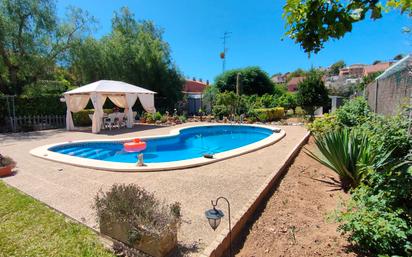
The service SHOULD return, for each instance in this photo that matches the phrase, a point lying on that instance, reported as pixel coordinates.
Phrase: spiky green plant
(349, 154)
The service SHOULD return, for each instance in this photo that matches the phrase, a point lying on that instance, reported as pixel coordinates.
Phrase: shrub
(378, 217)
(152, 117)
(375, 228)
(350, 155)
(392, 132)
(299, 111)
(221, 110)
(262, 116)
(149, 118)
(5, 161)
(278, 113)
(269, 114)
(312, 92)
(138, 208)
(227, 103)
(36, 105)
(287, 101)
(157, 116)
(82, 118)
(182, 118)
(252, 119)
(163, 119)
(268, 101)
(353, 113)
(324, 124)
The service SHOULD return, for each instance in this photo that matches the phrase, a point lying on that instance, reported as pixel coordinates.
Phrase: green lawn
(30, 228)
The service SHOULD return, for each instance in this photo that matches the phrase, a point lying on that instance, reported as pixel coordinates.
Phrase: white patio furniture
(121, 119)
(108, 122)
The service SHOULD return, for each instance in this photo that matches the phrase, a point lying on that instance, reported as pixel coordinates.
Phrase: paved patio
(71, 189)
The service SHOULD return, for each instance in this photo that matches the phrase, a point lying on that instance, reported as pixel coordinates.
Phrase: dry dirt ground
(295, 221)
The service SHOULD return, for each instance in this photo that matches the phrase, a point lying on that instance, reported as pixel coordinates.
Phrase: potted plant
(6, 165)
(135, 217)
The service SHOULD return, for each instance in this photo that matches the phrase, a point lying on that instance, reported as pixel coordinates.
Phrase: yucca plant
(349, 154)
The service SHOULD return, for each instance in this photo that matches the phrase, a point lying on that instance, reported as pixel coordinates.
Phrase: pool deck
(71, 189)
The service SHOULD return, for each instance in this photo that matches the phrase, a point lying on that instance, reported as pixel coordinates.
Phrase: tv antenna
(226, 35)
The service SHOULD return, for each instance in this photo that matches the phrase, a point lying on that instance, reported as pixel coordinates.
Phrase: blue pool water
(190, 143)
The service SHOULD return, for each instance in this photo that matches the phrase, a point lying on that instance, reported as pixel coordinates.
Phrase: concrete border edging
(221, 244)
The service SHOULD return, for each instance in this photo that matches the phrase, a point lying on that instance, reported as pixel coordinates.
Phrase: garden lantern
(214, 217)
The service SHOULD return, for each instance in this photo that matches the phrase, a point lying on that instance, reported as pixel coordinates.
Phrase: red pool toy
(135, 146)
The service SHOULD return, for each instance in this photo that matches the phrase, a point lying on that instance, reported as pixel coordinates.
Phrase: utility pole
(223, 54)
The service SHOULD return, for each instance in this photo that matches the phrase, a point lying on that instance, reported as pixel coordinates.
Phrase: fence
(38, 122)
(392, 90)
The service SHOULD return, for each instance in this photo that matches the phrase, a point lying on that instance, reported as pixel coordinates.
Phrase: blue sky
(194, 28)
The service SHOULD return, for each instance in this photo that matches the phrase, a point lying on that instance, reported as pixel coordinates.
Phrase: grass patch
(30, 228)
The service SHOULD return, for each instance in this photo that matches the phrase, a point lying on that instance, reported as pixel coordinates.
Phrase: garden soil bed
(294, 221)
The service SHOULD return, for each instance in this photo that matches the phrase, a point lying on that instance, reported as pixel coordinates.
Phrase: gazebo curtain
(125, 101)
(147, 101)
(130, 100)
(75, 103)
(98, 101)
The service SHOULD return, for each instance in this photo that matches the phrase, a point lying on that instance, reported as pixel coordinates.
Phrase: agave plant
(349, 154)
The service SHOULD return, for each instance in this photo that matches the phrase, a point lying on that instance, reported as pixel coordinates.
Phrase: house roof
(192, 86)
(295, 80)
(376, 67)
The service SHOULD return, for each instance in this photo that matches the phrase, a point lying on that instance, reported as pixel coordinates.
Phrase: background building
(193, 91)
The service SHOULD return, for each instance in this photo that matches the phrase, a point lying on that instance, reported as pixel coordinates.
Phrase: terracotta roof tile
(375, 68)
(191, 86)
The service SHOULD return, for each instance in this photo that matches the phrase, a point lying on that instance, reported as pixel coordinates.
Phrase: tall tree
(134, 52)
(32, 40)
(311, 23)
(252, 80)
(335, 68)
(398, 57)
(312, 92)
(299, 72)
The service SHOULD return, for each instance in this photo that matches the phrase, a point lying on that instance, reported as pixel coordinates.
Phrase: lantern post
(215, 215)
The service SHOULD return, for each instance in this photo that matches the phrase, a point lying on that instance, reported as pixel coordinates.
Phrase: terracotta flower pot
(7, 170)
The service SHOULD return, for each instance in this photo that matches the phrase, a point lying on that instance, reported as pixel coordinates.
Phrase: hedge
(270, 114)
(29, 106)
(82, 118)
(51, 105)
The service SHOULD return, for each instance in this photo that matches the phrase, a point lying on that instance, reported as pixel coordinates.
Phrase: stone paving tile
(71, 189)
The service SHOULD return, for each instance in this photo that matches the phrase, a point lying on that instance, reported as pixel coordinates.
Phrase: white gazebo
(122, 94)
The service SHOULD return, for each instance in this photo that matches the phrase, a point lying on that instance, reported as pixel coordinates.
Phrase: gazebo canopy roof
(109, 86)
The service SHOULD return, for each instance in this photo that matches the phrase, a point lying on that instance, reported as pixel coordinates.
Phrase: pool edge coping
(44, 152)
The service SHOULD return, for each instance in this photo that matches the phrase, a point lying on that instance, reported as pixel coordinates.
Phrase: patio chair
(110, 121)
(120, 119)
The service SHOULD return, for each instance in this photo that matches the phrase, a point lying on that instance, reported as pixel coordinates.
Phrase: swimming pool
(184, 147)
